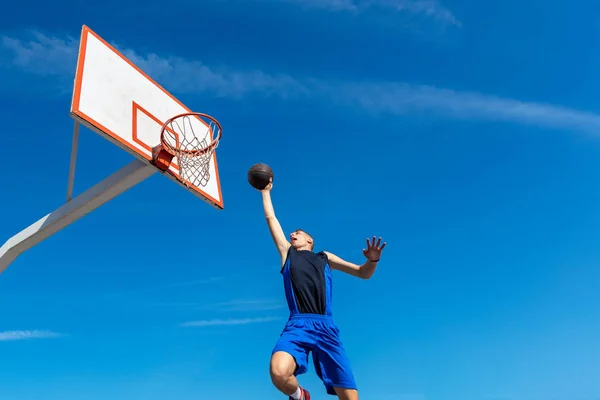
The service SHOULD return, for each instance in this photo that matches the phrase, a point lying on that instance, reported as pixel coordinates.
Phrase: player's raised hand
(373, 250)
(269, 186)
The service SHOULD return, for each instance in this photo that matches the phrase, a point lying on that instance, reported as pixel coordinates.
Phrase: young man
(310, 328)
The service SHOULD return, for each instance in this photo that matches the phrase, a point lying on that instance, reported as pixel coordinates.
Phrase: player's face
(299, 240)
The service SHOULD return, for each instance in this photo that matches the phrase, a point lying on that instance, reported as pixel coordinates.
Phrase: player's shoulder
(323, 255)
(316, 253)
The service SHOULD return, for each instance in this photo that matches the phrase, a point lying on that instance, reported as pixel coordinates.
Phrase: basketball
(259, 176)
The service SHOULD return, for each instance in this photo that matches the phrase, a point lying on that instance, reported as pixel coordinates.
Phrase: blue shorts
(305, 333)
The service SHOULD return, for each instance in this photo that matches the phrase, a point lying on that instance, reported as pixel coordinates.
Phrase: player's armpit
(364, 271)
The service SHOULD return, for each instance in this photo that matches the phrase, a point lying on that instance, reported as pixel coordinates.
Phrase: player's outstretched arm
(276, 231)
(365, 271)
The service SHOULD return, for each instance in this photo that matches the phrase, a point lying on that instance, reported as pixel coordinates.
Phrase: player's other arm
(274, 226)
(364, 271)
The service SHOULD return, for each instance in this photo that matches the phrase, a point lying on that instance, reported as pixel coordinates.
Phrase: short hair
(312, 245)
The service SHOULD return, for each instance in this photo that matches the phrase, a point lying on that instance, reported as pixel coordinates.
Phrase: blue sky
(466, 134)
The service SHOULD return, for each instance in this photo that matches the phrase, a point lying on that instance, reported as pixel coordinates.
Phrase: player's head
(301, 240)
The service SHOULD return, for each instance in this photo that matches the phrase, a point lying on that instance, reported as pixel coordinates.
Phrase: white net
(192, 139)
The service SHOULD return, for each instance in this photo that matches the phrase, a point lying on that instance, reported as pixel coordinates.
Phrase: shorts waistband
(321, 317)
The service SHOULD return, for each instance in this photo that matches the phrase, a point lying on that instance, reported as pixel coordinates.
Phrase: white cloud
(172, 304)
(401, 99)
(249, 305)
(242, 305)
(222, 322)
(186, 76)
(332, 5)
(57, 56)
(428, 8)
(41, 54)
(431, 9)
(24, 335)
(167, 286)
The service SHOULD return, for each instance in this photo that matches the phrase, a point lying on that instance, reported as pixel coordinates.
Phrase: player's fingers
(382, 246)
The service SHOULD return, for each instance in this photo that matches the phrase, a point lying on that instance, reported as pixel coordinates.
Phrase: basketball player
(310, 328)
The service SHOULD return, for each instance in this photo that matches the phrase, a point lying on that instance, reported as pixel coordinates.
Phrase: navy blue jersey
(307, 282)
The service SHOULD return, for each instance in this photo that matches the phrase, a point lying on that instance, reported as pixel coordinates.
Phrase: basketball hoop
(192, 138)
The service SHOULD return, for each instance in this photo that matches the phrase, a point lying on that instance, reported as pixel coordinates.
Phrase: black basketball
(259, 176)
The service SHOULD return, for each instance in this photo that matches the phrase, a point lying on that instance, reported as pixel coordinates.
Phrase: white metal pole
(119, 182)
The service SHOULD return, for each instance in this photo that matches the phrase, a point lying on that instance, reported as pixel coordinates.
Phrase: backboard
(116, 99)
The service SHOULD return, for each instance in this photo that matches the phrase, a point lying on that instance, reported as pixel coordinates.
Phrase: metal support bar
(73, 161)
(119, 182)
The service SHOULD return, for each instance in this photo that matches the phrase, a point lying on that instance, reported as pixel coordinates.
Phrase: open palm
(373, 250)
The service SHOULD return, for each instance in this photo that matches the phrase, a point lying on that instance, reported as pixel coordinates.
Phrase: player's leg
(333, 366)
(282, 369)
(290, 359)
(346, 394)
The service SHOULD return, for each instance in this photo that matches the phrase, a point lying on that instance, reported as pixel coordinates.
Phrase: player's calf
(346, 394)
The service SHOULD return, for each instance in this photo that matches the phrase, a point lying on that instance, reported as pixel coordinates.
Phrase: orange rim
(176, 151)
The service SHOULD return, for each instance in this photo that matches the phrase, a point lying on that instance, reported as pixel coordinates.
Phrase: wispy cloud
(176, 304)
(248, 305)
(332, 5)
(239, 305)
(397, 98)
(222, 322)
(41, 54)
(24, 335)
(193, 76)
(50, 57)
(167, 286)
(428, 8)
(431, 9)
(403, 99)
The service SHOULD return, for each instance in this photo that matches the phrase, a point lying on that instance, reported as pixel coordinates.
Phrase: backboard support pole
(117, 183)
(73, 161)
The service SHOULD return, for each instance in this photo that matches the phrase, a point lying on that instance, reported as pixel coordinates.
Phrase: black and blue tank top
(307, 281)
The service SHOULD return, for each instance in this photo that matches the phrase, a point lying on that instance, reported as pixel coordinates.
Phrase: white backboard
(116, 99)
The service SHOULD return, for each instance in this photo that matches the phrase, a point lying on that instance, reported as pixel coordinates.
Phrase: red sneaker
(305, 394)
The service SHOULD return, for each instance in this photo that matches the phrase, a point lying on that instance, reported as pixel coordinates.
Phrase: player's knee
(282, 367)
(279, 374)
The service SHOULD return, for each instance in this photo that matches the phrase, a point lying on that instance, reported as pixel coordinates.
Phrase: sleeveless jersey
(307, 282)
